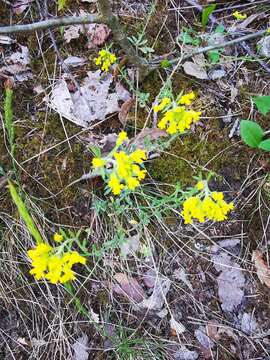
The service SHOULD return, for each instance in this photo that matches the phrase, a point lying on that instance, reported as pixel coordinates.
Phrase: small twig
(51, 23)
(221, 45)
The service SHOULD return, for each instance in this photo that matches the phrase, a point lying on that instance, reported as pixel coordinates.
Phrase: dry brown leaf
(17, 65)
(74, 61)
(131, 245)
(158, 297)
(72, 32)
(95, 100)
(125, 108)
(147, 134)
(128, 287)
(176, 327)
(212, 329)
(80, 348)
(20, 6)
(263, 270)
(97, 34)
(195, 70)
(6, 40)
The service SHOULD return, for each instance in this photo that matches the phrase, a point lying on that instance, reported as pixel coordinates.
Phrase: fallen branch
(243, 44)
(221, 45)
(51, 23)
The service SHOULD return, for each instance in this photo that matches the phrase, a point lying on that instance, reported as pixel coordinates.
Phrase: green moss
(189, 155)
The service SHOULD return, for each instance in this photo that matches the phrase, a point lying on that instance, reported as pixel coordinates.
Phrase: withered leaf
(128, 287)
(262, 269)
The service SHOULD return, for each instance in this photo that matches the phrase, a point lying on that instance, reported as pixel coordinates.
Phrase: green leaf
(262, 103)
(206, 13)
(185, 38)
(24, 213)
(165, 64)
(220, 29)
(251, 133)
(61, 4)
(265, 145)
(214, 56)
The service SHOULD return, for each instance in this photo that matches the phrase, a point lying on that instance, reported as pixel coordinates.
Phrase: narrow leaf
(265, 145)
(206, 13)
(24, 213)
(262, 103)
(251, 133)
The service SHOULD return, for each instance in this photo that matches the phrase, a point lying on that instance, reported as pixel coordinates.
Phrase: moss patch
(196, 152)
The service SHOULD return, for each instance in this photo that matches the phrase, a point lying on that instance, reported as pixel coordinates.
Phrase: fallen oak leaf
(263, 271)
(128, 287)
(95, 100)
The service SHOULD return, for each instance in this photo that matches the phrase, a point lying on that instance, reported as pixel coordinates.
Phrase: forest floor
(154, 288)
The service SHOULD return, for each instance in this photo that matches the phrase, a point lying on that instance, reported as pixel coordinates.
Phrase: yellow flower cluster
(238, 16)
(126, 172)
(212, 207)
(161, 106)
(51, 266)
(121, 138)
(187, 98)
(105, 60)
(178, 118)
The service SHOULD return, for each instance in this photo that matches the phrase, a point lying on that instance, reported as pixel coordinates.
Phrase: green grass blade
(8, 118)
(24, 213)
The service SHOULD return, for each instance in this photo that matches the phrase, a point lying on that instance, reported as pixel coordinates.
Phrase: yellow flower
(200, 185)
(97, 162)
(55, 268)
(164, 102)
(178, 119)
(268, 31)
(115, 184)
(238, 16)
(74, 258)
(41, 249)
(211, 207)
(138, 172)
(132, 183)
(121, 138)
(58, 237)
(218, 196)
(187, 98)
(138, 156)
(105, 60)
